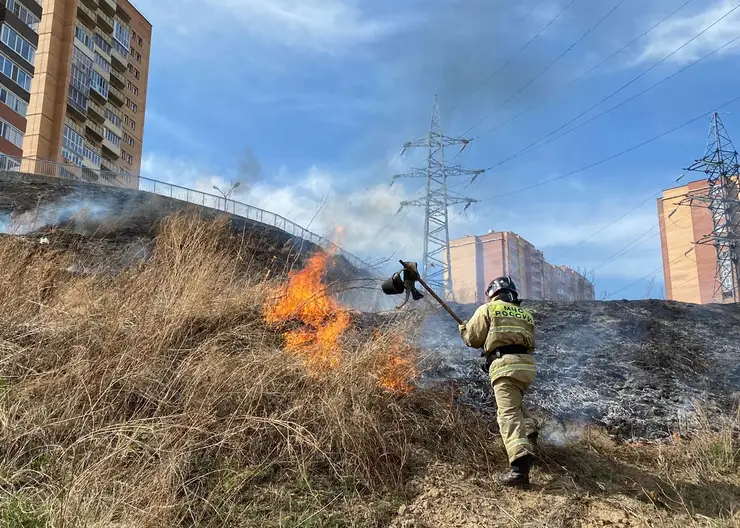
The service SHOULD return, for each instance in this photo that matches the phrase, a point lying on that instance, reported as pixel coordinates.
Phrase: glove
(460, 328)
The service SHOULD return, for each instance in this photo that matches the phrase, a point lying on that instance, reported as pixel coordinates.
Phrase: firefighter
(505, 331)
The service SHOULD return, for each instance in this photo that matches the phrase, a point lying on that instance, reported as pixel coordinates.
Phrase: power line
(614, 156)
(599, 65)
(652, 273)
(602, 114)
(539, 143)
(607, 226)
(551, 64)
(627, 249)
(526, 45)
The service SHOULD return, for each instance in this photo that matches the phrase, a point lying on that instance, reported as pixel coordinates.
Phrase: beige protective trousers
(514, 422)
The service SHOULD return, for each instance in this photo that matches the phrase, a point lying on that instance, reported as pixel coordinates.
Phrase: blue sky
(307, 103)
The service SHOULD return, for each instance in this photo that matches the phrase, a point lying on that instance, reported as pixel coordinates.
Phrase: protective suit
(505, 331)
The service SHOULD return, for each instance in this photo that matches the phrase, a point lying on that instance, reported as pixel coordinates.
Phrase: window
(11, 133)
(113, 117)
(119, 48)
(73, 142)
(136, 74)
(138, 57)
(71, 157)
(132, 124)
(102, 62)
(99, 84)
(24, 14)
(112, 137)
(12, 101)
(79, 80)
(122, 34)
(91, 155)
(139, 41)
(15, 72)
(84, 36)
(133, 107)
(128, 158)
(128, 139)
(82, 62)
(17, 43)
(102, 44)
(9, 164)
(77, 99)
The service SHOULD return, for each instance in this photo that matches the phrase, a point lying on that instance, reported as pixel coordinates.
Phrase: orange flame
(397, 367)
(304, 298)
(323, 322)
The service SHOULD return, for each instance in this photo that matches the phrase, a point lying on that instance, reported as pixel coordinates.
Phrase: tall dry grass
(158, 397)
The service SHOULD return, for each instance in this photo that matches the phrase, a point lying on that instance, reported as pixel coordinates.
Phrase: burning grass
(177, 393)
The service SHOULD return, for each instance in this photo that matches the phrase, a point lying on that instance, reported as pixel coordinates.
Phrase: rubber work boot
(533, 439)
(518, 477)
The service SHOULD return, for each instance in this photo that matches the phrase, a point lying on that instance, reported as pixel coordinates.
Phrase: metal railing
(176, 192)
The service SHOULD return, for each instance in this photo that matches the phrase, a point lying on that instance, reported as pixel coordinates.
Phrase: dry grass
(159, 398)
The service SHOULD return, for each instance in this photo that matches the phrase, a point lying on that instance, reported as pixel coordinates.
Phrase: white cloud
(675, 32)
(327, 26)
(362, 220)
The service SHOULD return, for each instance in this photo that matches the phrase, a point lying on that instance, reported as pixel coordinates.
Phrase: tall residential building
(477, 260)
(689, 268)
(88, 93)
(19, 40)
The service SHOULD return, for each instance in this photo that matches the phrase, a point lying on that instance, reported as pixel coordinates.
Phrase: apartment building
(477, 260)
(87, 100)
(689, 268)
(19, 40)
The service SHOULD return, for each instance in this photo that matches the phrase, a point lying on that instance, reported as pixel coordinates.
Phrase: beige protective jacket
(497, 324)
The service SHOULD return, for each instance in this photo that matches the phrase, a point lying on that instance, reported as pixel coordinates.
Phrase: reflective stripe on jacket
(498, 324)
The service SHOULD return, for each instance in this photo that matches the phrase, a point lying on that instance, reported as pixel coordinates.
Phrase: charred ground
(638, 368)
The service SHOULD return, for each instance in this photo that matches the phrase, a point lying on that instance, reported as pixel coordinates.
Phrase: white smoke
(85, 214)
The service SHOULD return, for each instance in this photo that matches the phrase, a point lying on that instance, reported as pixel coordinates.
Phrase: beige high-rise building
(477, 260)
(88, 93)
(689, 268)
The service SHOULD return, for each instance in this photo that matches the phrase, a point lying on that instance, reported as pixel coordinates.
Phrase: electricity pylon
(439, 198)
(720, 164)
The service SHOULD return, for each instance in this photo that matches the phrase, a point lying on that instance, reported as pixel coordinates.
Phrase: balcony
(95, 111)
(95, 130)
(74, 126)
(119, 56)
(103, 42)
(123, 15)
(117, 79)
(116, 96)
(97, 96)
(104, 21)
(77, 109)
(108, 6)
(86, 15)
(109, 165)
(111, 149)
(92, 4)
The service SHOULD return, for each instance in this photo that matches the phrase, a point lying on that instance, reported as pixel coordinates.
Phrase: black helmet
(501, 284)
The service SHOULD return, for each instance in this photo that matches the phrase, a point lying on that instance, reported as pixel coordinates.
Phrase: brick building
(477, 260)
(81, 74)
(689, 269)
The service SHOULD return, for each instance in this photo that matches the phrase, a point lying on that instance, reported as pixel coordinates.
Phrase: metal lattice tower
(720, 164)
(439, 198)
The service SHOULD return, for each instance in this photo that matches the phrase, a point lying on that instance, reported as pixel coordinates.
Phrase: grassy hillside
(190, 390)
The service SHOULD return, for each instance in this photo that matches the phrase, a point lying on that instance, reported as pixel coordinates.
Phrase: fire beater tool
(397, 285)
